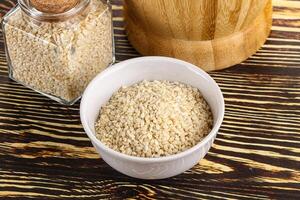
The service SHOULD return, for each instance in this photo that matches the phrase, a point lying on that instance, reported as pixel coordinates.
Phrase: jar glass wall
(59, 54)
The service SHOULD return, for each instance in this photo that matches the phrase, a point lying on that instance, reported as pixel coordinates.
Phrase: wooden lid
(54, 6)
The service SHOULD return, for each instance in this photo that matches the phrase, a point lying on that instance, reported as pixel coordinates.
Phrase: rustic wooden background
(44, 153)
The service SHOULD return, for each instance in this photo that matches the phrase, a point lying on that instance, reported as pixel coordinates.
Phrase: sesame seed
(157, 124)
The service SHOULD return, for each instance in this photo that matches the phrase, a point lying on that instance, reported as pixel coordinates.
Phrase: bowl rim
(127, 63)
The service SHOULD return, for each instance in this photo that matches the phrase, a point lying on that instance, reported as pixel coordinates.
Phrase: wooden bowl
(211, 34)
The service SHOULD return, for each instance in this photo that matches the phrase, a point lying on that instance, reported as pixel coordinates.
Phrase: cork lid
(54, 6)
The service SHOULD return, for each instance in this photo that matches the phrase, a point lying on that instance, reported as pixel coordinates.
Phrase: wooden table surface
(45, 154)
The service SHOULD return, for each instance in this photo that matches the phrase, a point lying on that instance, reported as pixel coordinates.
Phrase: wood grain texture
(211, 34)
(44, 153)
(194, 20)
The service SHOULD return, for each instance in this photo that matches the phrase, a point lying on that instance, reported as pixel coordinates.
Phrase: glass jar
(58, 53)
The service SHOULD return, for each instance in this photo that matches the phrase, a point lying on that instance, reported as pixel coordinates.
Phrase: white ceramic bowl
(135, 70)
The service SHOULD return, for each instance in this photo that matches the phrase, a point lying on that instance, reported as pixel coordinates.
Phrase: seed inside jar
(154, 119)
(60, 58)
